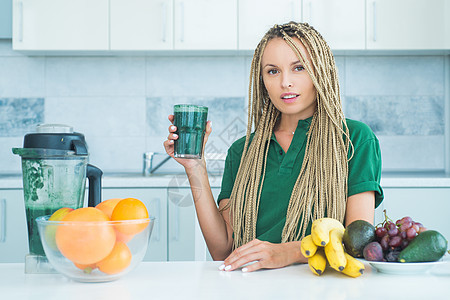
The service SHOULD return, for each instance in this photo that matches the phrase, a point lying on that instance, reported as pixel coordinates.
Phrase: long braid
(321, 187)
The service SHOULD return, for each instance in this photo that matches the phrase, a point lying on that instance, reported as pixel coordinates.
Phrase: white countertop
(203, 280)
(137, 180)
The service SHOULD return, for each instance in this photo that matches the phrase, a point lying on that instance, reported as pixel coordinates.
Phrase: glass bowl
(95, 251)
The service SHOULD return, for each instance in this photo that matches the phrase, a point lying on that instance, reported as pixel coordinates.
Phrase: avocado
(356, 236)
(430, 245)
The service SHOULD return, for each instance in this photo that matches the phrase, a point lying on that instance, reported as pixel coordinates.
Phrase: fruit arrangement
(404, 241)
(325, 245)
(87, 237)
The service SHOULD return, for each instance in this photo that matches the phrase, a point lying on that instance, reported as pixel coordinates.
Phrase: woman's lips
(289, 97)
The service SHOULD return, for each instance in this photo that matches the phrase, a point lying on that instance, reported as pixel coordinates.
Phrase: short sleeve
(364, 170)
(227, 179)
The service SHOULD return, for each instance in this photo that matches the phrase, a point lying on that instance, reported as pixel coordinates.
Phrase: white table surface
(203, 280)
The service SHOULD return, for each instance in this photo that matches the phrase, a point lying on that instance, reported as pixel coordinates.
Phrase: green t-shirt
(282, 169)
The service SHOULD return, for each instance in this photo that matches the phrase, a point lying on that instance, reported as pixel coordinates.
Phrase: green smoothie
(190, 121)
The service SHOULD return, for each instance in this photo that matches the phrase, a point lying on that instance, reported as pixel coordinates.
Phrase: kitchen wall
(121, 103)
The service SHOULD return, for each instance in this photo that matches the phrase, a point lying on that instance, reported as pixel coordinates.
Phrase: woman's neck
(288, 123)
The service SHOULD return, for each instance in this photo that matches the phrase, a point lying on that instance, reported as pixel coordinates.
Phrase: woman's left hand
(264, 255)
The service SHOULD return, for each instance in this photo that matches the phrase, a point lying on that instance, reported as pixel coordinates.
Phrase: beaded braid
(322, 183)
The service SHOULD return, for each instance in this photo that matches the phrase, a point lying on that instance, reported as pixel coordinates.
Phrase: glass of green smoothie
(190, 121)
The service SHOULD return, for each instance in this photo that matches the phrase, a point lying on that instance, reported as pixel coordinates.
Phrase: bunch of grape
(394, 237)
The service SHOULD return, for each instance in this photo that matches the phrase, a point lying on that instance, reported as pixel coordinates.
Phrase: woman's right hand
(169, 146)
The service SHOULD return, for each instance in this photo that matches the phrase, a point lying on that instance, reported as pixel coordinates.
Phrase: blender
(54, 168)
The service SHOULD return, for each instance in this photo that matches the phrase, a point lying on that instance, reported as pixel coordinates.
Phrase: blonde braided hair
(322, 183)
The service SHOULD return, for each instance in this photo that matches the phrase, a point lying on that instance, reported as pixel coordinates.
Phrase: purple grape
(403, 234)
(391, 225)
(393, 232)
(405, 243)
(392, 256)
(405, 226)
(411, 233)
(407, 220)
(380, 232)
(398, 222)
(395, 241)
(385, 242)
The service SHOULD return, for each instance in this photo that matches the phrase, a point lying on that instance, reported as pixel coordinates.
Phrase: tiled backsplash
(121, 104)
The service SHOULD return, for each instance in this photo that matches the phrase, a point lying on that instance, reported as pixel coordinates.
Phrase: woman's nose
(286, 81)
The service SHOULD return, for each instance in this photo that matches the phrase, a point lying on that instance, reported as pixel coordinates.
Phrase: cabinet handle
(182, 21)
(164, 22)
(158, 230)
(3, 220)
(176, 235)
(20, 4)
(374, 21)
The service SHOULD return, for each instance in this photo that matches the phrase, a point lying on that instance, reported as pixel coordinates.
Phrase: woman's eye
(272, 71)
(299, 68)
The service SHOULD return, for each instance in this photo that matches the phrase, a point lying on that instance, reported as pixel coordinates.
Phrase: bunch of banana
(325, 244)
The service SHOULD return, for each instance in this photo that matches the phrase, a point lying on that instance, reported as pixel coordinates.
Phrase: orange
(86, 268)
(130, 209)
(50, 230)
(107, 206)
(85, 237)
(117, 261)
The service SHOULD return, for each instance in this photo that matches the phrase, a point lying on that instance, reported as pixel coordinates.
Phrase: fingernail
(244, 270)
(175, 135)
(227, 268)
(171, 142)
(210, 124)
(221, 267)
(172, 127)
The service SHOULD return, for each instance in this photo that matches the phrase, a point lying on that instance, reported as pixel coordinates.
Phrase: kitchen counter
(136, 180)
(203, 280)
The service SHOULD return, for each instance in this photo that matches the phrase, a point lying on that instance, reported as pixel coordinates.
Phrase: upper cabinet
(256, 17)
(60, 25)
(144, 25)
(408, 24)
(5, 19)
(141, 24)
(341, 23)
(205, 24)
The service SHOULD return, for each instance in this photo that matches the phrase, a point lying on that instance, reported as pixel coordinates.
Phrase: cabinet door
(155, 200)
(13, 227)
(205, 25)
(429, 206)
(5, 19)
(256, 17)
(406, 24)
(60, 25)
(141, 24)
(341, 23)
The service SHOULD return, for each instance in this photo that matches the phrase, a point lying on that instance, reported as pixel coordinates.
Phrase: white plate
(404, 268)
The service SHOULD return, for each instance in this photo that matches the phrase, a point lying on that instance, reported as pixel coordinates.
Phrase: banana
(354, 267)
(308, 247)
(334, 250)
(320, 230)
(318, 262)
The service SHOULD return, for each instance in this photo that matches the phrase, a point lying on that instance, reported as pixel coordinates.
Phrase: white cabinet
(341, 23)
(155, 199)
(13, 226)
(185, 239)
(407, 24)
(205, 25)
(141, 24)
(256, 17)
(429, 206)
(60, 25)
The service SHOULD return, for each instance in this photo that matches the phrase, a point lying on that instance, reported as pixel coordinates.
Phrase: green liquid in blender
(191, 125)
(48, 186)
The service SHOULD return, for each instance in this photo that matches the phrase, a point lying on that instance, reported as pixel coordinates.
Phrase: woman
(303, 161)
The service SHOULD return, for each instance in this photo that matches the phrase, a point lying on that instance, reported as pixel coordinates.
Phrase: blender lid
(43, 153)
(53, 137)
